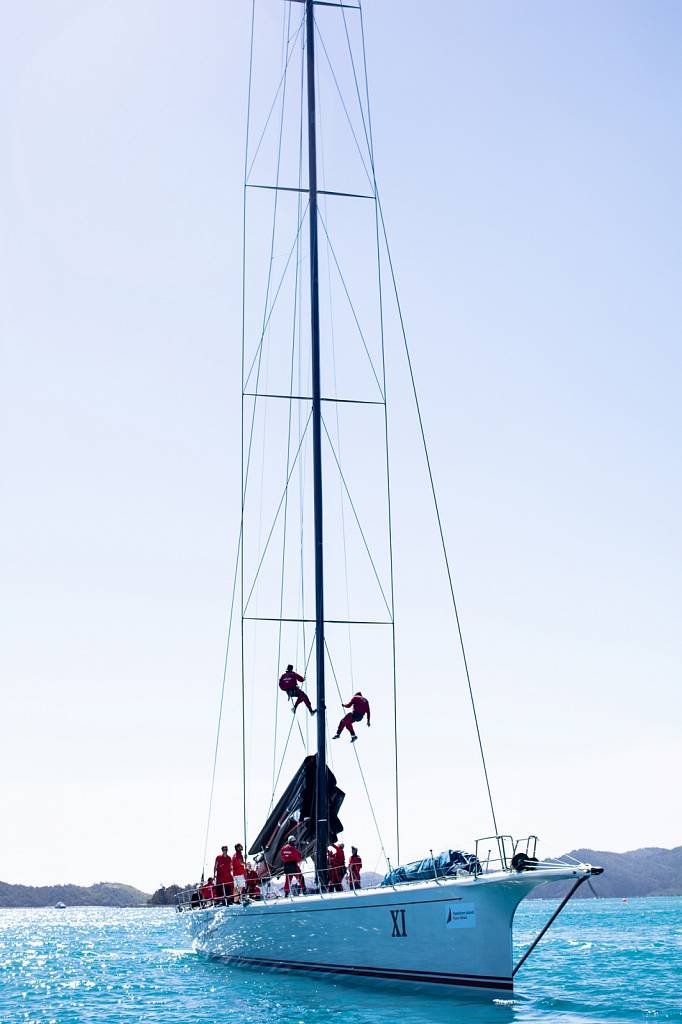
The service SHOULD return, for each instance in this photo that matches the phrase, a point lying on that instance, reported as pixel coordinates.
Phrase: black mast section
(322, 830)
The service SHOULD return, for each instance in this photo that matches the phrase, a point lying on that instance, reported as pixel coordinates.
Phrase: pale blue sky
(529, 160)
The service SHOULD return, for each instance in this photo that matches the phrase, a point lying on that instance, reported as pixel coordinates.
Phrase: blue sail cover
(449, 862)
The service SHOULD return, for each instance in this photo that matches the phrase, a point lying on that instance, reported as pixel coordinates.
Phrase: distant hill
(103, 894)
(651, 871)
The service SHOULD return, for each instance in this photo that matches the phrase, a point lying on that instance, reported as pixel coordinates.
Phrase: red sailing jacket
(238, 862)
(354, 866)
(290, 855)
(360, 706)
(207, 892)
(222, 869)
(290, 680)
(252, 886)
(336, 859)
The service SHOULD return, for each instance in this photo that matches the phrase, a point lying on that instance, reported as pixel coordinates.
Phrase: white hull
(452, 933)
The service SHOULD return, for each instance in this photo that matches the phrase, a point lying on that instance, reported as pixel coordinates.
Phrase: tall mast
(322, 809)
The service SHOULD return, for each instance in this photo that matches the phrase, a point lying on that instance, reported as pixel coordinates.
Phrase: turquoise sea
(603, 960)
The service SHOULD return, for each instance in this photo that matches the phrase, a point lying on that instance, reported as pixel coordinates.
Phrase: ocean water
(603, 960)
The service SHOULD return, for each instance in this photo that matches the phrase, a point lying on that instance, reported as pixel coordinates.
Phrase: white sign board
(460, 915)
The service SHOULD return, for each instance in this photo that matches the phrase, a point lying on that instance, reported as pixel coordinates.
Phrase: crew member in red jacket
(252, 887)
(289, 683)
(207, 891)
(238, 868)
(336, 859)
(222, 869)
(360, 706)
(354, 868)
(291, 860)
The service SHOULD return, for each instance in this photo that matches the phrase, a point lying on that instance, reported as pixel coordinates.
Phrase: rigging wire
(332, 334)
(373, 182)
(382, 385)
(370, 145)
(274, 524)
(245, 476)
(320, 123)
(303, 462)
(247, 172)
(345, 108)
(357, 518)
(266, 319)
(243, 341)
(266, 322)
(352, 307)
(290, 413)
(438, 518)
(298, 325)
(221, 703)
(286, 25)
(302, 469)
(382, 390)
(359, 763)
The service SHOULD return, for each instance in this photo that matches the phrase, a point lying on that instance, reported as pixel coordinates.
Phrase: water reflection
(296, 999)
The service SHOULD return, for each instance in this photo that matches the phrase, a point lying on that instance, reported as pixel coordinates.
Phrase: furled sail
(449, 862)
(294, 815)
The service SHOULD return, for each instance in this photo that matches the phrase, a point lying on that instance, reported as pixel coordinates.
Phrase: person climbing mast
(360, 706)
(289, 683)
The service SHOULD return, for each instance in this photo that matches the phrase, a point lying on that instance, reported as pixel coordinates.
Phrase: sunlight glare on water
(604, 960)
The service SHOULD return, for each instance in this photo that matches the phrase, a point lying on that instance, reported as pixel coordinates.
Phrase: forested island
(652, 871)
(102, 894)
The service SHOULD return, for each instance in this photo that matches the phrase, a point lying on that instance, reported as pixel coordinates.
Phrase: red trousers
(347, 723)
(302, 698)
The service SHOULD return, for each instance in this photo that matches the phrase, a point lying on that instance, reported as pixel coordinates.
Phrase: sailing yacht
(446, 921)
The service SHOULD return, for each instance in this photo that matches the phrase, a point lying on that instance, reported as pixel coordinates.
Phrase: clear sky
(529, 161)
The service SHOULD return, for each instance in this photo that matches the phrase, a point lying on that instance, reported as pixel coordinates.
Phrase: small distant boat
(60, 906)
